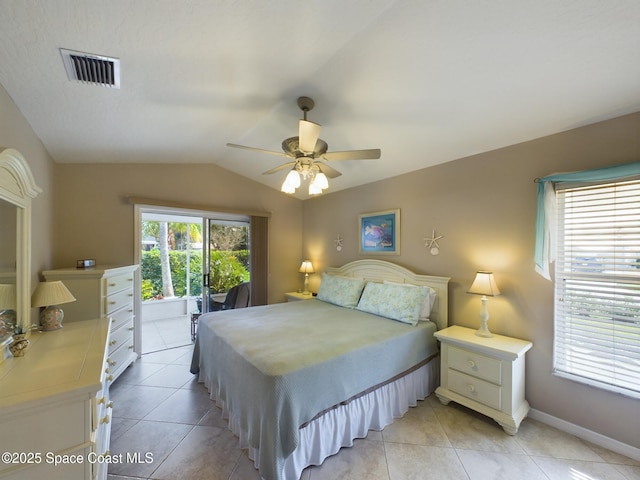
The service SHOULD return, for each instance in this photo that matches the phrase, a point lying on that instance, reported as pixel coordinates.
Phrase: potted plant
(20, 342)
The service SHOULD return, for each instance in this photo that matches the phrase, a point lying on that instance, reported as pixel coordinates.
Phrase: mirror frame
(18, 187)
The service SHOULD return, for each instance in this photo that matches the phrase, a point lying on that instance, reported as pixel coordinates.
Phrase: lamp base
(51, 318)
(483, 331)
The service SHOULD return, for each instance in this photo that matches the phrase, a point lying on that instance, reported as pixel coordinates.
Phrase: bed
(300, 380)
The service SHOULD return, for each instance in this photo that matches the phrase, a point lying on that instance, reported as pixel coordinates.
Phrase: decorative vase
(19, 344)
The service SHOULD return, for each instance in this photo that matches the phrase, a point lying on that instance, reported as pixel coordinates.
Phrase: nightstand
(484, 374)
(297, 296)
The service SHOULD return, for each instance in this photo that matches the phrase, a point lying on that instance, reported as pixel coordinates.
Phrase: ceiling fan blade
(372, 154)
(284, 166)
(327, 170)
(270, 152)
(308, 136)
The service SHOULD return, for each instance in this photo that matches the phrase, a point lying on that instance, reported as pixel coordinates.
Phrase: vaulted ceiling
(426, 81)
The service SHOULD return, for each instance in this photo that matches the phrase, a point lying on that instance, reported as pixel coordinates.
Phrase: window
(597, 285)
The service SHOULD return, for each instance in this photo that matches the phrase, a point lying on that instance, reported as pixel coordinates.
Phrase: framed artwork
(380, 232)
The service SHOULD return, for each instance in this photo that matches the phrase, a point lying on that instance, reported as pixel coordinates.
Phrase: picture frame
(380, 232)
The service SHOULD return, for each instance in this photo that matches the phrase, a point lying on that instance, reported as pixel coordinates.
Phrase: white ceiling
(427, 81)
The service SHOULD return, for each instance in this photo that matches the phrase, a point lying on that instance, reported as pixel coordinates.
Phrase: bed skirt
(338, 427)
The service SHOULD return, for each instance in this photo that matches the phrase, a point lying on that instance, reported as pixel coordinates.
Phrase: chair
(237, 297)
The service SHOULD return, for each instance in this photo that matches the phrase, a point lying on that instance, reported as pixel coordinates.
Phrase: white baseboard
(585, 434)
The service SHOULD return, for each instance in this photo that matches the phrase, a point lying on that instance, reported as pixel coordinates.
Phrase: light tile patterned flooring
(160, 409)
(166, 333)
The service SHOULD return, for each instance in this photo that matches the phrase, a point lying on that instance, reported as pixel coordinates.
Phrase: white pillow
(429, 301)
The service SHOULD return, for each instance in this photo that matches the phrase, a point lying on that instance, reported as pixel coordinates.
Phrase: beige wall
(484, 206)
(94, 219)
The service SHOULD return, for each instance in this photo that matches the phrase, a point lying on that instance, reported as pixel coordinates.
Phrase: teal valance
(546, 205)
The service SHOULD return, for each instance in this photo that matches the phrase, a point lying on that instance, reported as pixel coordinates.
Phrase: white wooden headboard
(379, 270)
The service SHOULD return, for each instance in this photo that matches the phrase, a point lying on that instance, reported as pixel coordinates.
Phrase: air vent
(91, 69)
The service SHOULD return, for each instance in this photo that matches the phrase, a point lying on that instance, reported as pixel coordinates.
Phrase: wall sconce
(484, 284)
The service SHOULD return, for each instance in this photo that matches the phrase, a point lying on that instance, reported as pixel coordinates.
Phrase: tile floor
(166, 333)
(160, 409)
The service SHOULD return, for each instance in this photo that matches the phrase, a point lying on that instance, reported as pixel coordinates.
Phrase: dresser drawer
(120, 357)
(475, 364)
(121, 336)
(117, 283)
(121, 316)
(118, 300)
(475, 389)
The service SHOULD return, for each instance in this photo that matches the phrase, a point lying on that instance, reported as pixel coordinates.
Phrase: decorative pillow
(342, 291)
(395, 301)
(429, 300)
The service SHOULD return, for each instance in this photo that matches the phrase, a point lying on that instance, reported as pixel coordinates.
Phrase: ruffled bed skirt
(338, 427)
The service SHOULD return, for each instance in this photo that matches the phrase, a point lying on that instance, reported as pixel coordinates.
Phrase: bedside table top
(498, 344)
(299, 295)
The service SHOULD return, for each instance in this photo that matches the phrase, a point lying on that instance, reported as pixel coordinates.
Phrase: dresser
(55, 412)
(484, 374)
(103, 291)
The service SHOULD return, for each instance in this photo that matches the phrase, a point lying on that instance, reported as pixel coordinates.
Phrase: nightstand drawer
(475, 364)
(475, 389)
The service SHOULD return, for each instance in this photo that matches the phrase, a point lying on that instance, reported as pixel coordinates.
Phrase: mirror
(17, 189)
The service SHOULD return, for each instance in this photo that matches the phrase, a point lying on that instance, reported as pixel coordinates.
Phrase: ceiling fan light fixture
(293, 179)
(321, 181)
(314, 189)
(287, 188)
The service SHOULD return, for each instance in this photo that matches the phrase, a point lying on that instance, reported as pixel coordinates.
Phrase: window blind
(597, 288)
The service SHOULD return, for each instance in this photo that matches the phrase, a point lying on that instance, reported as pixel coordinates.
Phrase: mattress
(276, 367)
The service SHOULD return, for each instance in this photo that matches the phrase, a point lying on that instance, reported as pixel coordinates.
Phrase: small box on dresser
(104, 291)
(484, 374)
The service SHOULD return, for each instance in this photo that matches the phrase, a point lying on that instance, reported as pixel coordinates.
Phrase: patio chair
(237, 297)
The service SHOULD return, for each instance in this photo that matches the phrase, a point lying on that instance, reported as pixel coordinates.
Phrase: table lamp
(306, 268)
(484, 284)
(50, 295)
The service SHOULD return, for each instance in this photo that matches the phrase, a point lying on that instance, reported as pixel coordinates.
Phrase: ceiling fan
(307, 151)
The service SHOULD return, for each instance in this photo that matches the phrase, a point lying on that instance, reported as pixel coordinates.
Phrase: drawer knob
(110, 405)
(102, 400)
(109, 378)
(112, 284)
(130, 347)
(130, 329)
(471, 364)
(471, 388)
(113, 342)
(112, 302)
(111, 362)
(106, 370)
(105, 419)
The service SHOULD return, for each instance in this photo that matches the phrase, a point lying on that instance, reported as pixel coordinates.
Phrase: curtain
(259, 236)
(546, 206)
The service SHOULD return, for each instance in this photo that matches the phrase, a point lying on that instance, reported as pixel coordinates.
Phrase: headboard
(379, 270)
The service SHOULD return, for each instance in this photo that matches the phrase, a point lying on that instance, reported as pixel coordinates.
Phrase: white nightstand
(297, 296)
(484, 374)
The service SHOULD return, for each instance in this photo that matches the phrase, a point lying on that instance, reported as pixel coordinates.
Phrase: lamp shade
(306, 267)
(7, 296)
(484, 284)
(51, 293)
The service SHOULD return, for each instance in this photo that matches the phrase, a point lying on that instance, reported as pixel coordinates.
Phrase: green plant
(228, 268)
